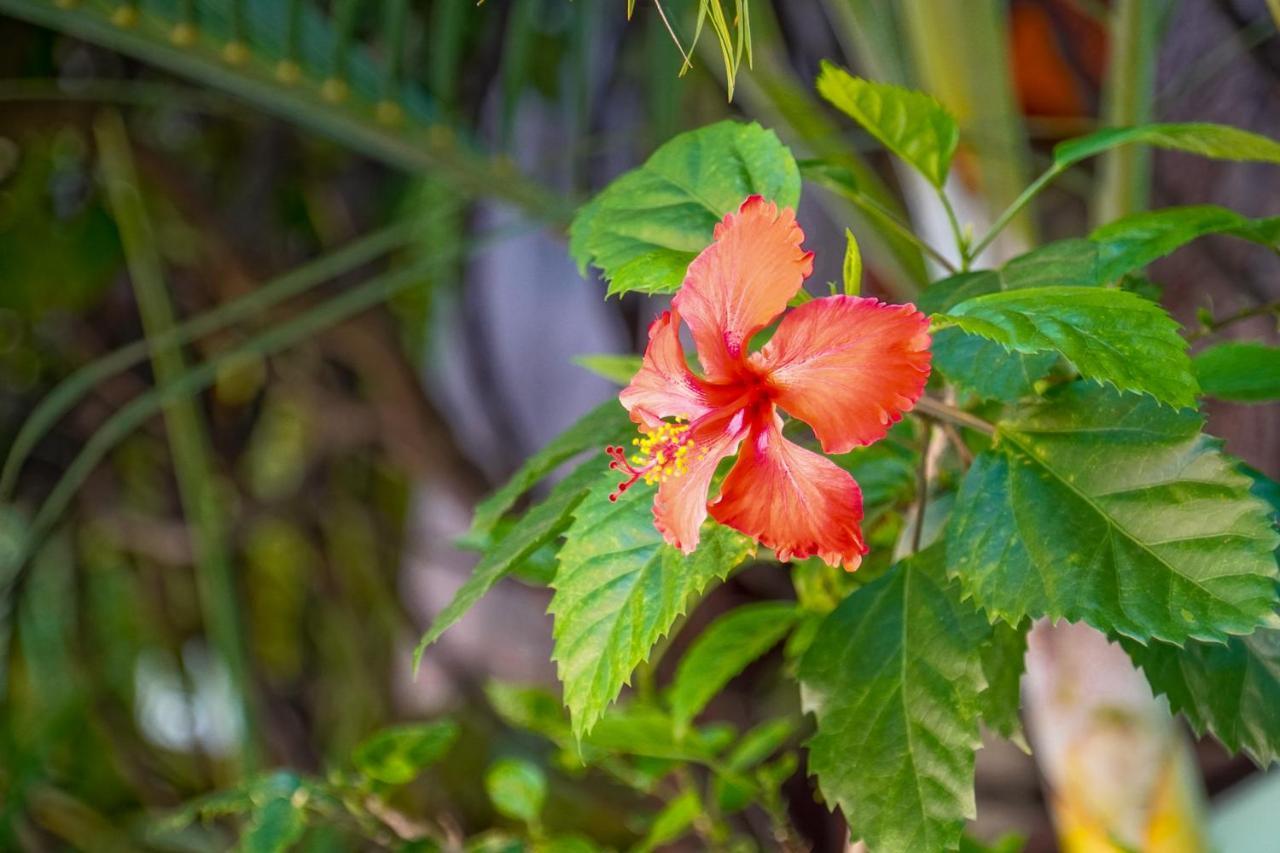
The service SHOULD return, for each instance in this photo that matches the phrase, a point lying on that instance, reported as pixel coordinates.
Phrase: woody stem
(923, 476)
(936, 410)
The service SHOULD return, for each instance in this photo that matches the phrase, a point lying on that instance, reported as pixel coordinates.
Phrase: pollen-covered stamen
(660, 454)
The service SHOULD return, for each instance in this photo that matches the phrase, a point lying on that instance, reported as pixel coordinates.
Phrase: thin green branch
(957, 234)
(902, 229)
(394, 15)
(188, 442)
(1124, 175)
(1015, 208)
(1217, 324)
(291, 63)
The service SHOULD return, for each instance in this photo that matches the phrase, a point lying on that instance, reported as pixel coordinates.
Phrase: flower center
(660, 454)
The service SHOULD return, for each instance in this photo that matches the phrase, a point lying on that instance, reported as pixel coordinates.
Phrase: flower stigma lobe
(661, 453)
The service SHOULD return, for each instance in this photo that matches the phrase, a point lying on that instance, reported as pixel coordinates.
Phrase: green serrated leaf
(399, 754)
(893, 678)
(1240, 371)
(1003, 662)
(911, 124)
(540, 525)
(1110, 336)
(618, 369)
(1231, 690)
(1217, 141)
(1131, 243)
(1111, 252)
(619, 589)
(645, 227)
(723, 650)
(517, 789)
(1113, 510)
(987, 368)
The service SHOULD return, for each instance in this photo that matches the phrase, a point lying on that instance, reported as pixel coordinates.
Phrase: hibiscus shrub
(1051, 464)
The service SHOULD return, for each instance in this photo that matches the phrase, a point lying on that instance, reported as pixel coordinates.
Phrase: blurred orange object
(1058, 54)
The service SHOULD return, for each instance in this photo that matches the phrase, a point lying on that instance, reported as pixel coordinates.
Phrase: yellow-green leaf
(910, 124)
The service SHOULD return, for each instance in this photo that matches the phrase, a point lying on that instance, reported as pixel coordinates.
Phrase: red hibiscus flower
(848, 367)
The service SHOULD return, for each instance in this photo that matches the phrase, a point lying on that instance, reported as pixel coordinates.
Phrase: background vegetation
(230, 600)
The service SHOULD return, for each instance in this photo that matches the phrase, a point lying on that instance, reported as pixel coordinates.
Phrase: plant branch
(1124, 175)
(189, 443)
(962, 245)
(936, 410)
(1002, 221)
(871, 206)
(923, 477)
(1217, 324)
(957, 442)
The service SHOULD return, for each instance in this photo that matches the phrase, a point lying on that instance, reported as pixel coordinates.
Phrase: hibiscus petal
(792, 500)
(847, 366)
(741, 282)
(680, 506)
(665, 387)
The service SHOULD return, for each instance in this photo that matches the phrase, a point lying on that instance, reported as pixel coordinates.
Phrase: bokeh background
(338, 474)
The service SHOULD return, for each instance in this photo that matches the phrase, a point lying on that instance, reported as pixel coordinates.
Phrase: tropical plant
(1016, 440)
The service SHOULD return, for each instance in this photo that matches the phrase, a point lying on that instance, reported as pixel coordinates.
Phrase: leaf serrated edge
(1204, 726)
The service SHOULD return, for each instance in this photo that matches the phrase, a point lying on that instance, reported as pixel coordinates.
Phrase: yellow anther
(661, 453)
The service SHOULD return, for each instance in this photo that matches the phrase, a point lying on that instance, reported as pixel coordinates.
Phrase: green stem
(873, 207)
(193, 469)
(774, 95)
(293, 32)
(962, 245)
(394, 15)
(923, 479)
(237, 22)
(1015, 208)
(876, 212)
(1217, 324)
(1124, 177)
(345, 13)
